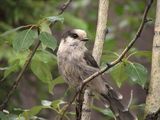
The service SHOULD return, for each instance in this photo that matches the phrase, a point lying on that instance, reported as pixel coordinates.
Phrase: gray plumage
(76, 64)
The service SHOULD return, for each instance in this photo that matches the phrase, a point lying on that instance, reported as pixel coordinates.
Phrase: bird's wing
(90, 59)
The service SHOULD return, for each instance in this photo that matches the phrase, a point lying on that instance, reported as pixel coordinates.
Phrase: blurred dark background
(123, 21)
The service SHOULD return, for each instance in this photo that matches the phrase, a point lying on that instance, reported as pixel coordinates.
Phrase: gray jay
(75, 64)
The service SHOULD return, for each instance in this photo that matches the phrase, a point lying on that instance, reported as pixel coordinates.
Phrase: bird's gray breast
(70, 68)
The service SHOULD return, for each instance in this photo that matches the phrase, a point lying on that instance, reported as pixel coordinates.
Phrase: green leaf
(105, 112)
(109, 56)
(12, 68)
(147, 54)
(33, 111)
(45, 57)
(58, 80)
(41, 70)
(75, 22)
(48, 40)
(44, 26)
(24, 39)
(11, 31)
(21, 56)
(55, 18)
(118, 73)
(137, 73)
(4, 116)
(56, 104)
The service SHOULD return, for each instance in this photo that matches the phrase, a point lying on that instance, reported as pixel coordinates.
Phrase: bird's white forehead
(80, 32)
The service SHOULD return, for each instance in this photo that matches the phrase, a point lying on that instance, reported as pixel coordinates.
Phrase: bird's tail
(113, 100)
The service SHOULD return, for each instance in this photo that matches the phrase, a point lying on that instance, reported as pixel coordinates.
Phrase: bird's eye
(74, 35)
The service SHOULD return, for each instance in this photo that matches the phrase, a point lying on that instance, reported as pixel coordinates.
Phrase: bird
(76, 63)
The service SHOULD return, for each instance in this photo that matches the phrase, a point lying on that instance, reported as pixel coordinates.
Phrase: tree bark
(153, 99)
(97, 53)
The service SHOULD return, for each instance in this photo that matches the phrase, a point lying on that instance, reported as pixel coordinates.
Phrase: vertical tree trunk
(97, 52)
(153, 98)
(101, 29)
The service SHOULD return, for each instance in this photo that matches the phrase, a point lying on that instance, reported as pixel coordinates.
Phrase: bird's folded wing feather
(90, 59)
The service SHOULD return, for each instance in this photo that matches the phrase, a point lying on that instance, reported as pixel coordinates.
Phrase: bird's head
(75, 37)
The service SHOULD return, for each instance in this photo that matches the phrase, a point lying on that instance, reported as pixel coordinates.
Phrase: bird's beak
(85, 39)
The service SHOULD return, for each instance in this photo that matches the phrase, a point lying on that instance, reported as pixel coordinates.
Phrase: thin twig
(64, 6)
(69, 104)
(101, 32)
(27, 62)
(125, 51)
(21, 27)
(18, 28)
(118, 60)
(79, 104)
(15, 84)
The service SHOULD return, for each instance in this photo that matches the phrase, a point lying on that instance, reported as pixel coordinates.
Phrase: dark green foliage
(48, 40)
(17, 40)
(24, 39)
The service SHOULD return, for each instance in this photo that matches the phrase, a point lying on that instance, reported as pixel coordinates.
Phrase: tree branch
(27, 62)
(97, 53)
(119, 59)
(15, 84)
(21, 27)
(64, 7)
(152, 108)
(125, 51)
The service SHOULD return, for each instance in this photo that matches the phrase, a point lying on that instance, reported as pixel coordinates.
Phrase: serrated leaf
(48, 40)
(137, 73)
(41, 70)
(118, 73)
(55, 18)
(24, 39)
